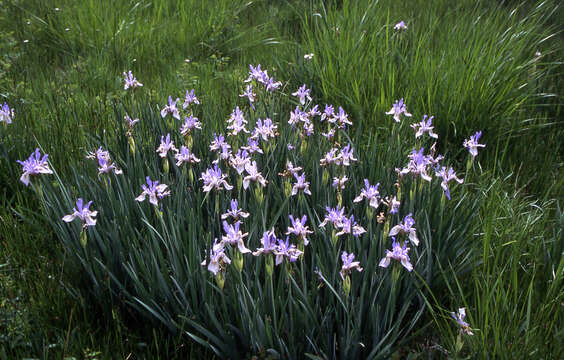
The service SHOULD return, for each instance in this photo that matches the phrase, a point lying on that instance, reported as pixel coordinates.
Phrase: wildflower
(189, 99)
(397, 109)
(236, 122)
(290, 170)
(331, 158)
(314, 111)
(106, 166)
(218, 142)
(300, 184)
(308, 56)
(234, 236)
(393, 204)
(254, 175)
(342, 118)
(6, 114)
(239, 161)
(252, 147)
(130, 81)
(224, 154)
(349, 226)
(339, 183)
(298, 116)
(328, 113)
(472, 144)
(406, 228)
(329, 134)
(464, 327)
(265, 129)
(284, 249)
(154, 190)
(272, 85)
(447, 175)
(190, 123)
(249, 94)
(255, 73)
(171, 109)
(185, 156)
(398, 253)
(165, 146)
(400, 26)
(334, 216)
(370, 193)
(83, 213)
(302, 93)
(217, 258)
(347, 155)
(130, 123)
(98, 154)
(424, 126)
(234, 212)
(417, 165)
(34, 165)
(299, 229)
(213, 178)
(268, 242)
(348, 264)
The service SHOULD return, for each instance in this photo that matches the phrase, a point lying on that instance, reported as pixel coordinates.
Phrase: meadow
(368, 231)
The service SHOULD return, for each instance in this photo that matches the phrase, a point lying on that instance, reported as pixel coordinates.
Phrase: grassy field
(136, 290)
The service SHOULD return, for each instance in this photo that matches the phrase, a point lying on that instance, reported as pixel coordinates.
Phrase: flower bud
(220, 280)
(131, 142)
(325, 177)
(165, 165)
(287, 188)
(238, 261)
(269, 265)
(259, 196)
(347, 285)
(83, 238)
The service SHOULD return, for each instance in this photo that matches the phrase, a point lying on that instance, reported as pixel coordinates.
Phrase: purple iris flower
(406, 228)
(472, 144)
(299, 229)
(284, 249)
(302, 93)
(398, 253)
(339, 183)
(272, 85)
(34, 165)
(165, 146)
(331, 158)
(234, 212)
(334, 216)
(82, 212)
(348, 264)
(190, 123)
(347, 155)
(253, 146)
(425, 126)
(265, 129)
(249, 94)
(400, 26)
(234, 236)
(328, 113)
(342, 118)
(185, 156)
(397, 109)
(349, 226)
(218, 142)
(105, 166)
(190, 98)
(459, 317)
(237, 122)
(154, 190)
(370, 193)
(217, 258)
(268, 242)
(213, 178)
(418, 164)
(447, 175)
(130, 82)
(6, 114)
(254, 175)
(239, 161)
(171, 109)
(392, 203)
(300, 184)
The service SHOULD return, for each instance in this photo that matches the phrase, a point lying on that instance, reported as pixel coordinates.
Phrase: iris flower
(397, 109)
(398, 253)
(154, 190)
(348, 264)
(370, 193)
(472, 144)
(406, 228)
(83, 213)
(171, 109)
(6, 114)
(34, 165)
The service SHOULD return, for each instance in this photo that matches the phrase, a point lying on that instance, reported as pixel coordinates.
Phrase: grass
(471, 64)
